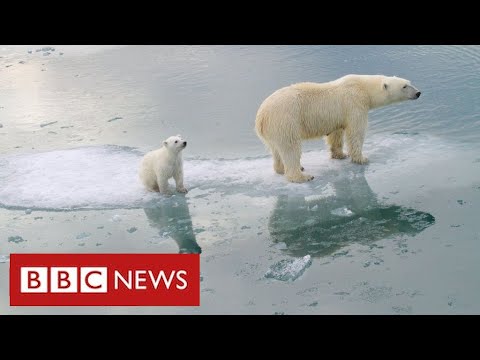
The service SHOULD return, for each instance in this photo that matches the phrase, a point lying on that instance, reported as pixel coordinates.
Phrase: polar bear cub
(158, 166)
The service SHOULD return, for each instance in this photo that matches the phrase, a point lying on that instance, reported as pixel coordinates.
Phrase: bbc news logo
(104, 280)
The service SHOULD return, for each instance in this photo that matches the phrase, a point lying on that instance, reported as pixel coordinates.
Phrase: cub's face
(175, 143)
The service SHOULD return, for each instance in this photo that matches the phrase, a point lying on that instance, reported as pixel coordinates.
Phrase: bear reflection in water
(320, 226)
(172, 218)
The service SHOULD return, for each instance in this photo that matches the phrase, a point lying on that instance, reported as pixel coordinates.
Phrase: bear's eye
(176, 141)
(404, 86)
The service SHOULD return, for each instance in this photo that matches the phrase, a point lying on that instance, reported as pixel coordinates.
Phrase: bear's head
(175, 143)
(396, 89)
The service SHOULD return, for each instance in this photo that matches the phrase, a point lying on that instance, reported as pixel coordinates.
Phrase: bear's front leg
(178, 176)
(335, 140)
(162, 182)
(355, 136)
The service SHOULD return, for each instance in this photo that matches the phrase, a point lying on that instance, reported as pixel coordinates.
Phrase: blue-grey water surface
(398, 236)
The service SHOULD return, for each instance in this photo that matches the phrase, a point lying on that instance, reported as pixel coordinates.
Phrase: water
(399, 236)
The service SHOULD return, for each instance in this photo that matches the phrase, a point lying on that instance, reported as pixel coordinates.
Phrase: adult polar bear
(311, 110)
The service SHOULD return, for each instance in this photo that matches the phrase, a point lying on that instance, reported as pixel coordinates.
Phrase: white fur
(160, 165)
(332, 109)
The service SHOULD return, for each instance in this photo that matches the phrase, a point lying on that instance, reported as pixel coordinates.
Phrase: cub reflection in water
(172, 218)
(321, 225)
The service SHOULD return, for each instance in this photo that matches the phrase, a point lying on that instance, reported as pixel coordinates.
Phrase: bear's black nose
(418, 94)
(184, 143)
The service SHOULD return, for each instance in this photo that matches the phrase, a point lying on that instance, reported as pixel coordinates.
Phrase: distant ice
(4, 258)
(289, 269)
(115, 118)
(45, 49)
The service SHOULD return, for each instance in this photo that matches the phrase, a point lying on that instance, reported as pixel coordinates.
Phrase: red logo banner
(104, 279)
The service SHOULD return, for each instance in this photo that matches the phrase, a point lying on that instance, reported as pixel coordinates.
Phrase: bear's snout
(184, 143)
(417, 95)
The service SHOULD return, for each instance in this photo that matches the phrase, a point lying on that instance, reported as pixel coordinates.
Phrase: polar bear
(160, 165)
(310, 110)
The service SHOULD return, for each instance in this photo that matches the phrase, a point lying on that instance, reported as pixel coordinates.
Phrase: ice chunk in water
(116, 218)
(16, 239)
(280, 246)
(343, 211)
(289, 269)
(4, 258)
(82, 235)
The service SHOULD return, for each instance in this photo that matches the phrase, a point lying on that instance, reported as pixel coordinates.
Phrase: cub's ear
(179, 135)
(165, 143)
(385, 86)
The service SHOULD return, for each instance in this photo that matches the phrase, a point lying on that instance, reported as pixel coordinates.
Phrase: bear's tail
(259, 126)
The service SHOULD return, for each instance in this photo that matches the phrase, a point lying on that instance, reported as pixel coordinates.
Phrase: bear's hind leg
(150, 184)
(277, 162)
(291, 159)
(335, 140)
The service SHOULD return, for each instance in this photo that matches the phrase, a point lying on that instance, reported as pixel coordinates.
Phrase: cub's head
(397, 89)
(175, 143)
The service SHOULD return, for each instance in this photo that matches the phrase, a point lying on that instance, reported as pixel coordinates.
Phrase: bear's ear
(165, 143)
(385, 86)
(179, 135)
